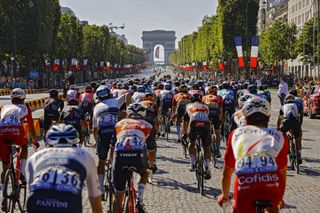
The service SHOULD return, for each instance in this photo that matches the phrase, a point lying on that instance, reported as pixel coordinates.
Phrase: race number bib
(200, 116)
(256, 163)
(128, 143)
(58, 179)
(107, 119)
(10, 120)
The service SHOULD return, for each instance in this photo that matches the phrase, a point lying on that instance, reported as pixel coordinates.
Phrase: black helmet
(53, 93)
(195, 98)
(195, 86)
(245, 85)
(226, 85)
(253, 89)
(293, 92)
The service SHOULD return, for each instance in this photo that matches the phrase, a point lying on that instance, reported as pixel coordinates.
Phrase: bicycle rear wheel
(296, 160)
(200, 170)
(87, 138)
(9, 192)
(23, 197)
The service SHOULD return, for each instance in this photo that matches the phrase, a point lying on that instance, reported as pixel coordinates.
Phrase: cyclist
(264, 92)
(130, 152)
(215, 104)
(87, 103)
(165, 99)
(179, 103)
(52, 109)
(289, 119)
(139, 94)
(12, 117)
(258, 155)
(196, 90)
(197, 123)
(56, 175)
(299, 102)
(105, 117)
(73, 114)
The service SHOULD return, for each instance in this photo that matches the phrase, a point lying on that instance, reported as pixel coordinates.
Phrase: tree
(277, 43)
(304, 43)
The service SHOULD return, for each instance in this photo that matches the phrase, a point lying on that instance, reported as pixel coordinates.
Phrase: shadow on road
(173, 160)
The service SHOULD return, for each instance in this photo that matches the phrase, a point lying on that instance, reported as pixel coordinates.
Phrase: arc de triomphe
(167, 39)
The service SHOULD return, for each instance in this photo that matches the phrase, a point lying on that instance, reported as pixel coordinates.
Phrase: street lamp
(14, 33)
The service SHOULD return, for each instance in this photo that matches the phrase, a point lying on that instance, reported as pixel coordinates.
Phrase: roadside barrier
(28, 91)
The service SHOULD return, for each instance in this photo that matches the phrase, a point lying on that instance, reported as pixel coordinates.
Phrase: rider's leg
(23, 159)
(192, 149)
(118, 200)
(151, 144)
(206, 142)
(102, 150)
(178, 127)
(142, 185)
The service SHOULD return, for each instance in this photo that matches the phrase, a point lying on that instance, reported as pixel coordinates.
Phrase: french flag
(205, 66)
(254, 52)
(238, 42)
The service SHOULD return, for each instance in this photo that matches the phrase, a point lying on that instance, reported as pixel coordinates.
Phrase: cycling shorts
(180, 111)
(293, 125)
(151, 140)
(201, 128)
(12, 133)
(215, 120)
(53, 202)
(245, 198)
(106, 138)
(87, 108)
(165, 108)
(124, 160)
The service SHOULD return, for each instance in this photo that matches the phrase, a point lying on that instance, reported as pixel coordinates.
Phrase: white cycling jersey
(137, 97)
(62, 169)
(109, 108)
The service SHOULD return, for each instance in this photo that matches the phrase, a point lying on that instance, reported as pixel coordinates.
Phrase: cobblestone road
(174, 187)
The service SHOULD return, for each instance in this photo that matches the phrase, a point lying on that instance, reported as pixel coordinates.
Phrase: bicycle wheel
(87, 138)
(201, 173)
(226, 126)
(213, 152)
(23, 197)
(296, 158)
(185, 147)
(9, 192)
(292, 154)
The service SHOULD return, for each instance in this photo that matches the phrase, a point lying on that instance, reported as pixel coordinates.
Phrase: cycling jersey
(137, 97)
(87, 98)
(181, 99)
(56, 179)
(130, 151)
(12, 117)
(166, 98)
(118, 92)
(225, 92)
(214, 102)
(238, 120)
(52, 109)
(73, 115)
(152, 111)
(290, 111)
(242, 92)
(105, 117)
(257, 155)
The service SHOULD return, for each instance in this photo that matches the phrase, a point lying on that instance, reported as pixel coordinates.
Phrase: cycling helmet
(72, 87)
(62, 135)
(148, 97)
(160, 86)
(261, 87)
(136, 111)
(226, 85)
(141, 89)
(243, 99)
(183, 88)
(70, 72)
(72, 95)
(53, 93)
(18, 93)
(168, 86)
(195, 98)
(213, 89)
(293, 92)
(177, 83)
(89, 89)
(220, 87)
(253, 89)
(103, 92)
(289, 99)
(93, 85)
(256, 105)
(245, 85)
(195, 87)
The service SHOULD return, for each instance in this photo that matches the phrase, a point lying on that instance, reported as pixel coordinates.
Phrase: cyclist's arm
(32, 131)
(92, 181)
(280, 118)
(95, 127)
(228, 168)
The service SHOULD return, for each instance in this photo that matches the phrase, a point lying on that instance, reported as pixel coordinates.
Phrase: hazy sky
(183, 16)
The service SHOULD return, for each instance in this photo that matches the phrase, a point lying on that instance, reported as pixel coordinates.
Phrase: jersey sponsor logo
(10, 130)
(258, 178)
(53, 203)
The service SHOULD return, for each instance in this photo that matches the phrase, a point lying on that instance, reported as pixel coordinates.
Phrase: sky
(182, 16)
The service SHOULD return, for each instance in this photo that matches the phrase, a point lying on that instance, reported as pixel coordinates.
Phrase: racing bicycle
(293, 153)
(130, 195)
(199, 165)
(14, 191)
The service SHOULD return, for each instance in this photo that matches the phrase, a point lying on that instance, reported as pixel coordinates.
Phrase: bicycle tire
(23, 197)
(9, 198)
(201, 175)
(214, 152)
(292, 154)
(127, 204)
(296, 158)
(185, 147)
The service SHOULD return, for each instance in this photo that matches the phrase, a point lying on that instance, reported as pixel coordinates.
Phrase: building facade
(300, 11)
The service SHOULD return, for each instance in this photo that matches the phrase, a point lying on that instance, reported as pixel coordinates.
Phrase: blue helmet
(103, 92)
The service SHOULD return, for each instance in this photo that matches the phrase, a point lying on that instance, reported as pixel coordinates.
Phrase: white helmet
(62, 135)
(72, 95)
(18, 93)
(256, 104)
(243, 99)
(136, 111)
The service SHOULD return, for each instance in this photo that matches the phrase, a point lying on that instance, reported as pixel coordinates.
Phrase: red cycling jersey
(11, 120)
(181, 98)
(87, 98)
(257, 155)
(214, 101)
